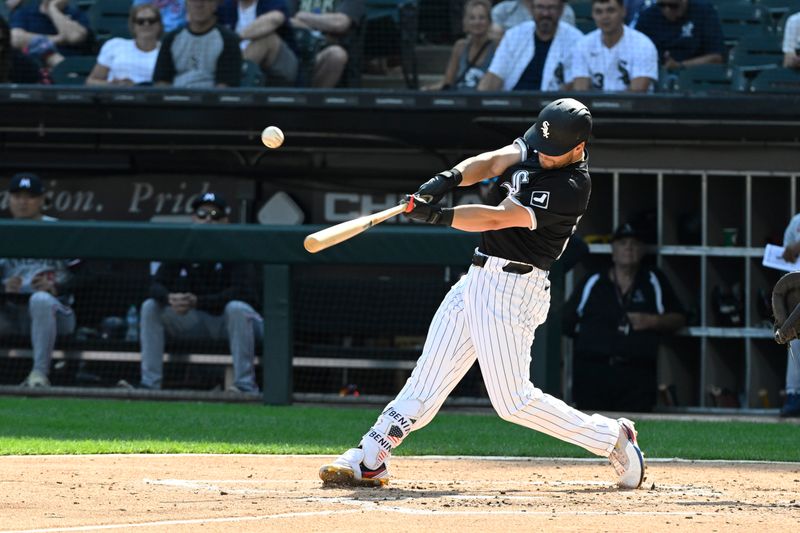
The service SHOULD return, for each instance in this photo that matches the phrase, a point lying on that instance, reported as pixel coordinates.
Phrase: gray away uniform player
(491, 314)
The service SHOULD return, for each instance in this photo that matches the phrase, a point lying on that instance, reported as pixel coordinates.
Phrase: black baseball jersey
(557, 199)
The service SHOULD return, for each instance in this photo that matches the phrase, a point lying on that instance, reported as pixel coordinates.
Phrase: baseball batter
(491, 314)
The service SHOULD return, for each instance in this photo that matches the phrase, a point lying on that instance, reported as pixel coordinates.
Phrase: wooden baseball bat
(341, 232)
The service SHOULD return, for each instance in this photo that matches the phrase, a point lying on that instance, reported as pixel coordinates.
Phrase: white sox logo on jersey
(545, 129)
(518, 179)
(540, 199)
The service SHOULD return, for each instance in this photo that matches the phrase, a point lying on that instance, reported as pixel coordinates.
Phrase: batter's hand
(422, 211)
(433, 190)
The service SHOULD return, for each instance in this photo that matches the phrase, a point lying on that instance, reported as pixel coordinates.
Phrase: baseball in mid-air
(272, 137)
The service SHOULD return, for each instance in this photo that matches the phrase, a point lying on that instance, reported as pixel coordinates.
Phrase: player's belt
(513, 268)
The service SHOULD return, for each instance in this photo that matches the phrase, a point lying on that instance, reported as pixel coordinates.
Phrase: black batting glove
(421, 211)
(433, 190)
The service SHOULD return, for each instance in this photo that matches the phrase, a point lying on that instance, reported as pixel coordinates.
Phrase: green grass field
(72, 426)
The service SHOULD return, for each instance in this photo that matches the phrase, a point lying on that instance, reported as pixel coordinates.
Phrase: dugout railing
(279, 251)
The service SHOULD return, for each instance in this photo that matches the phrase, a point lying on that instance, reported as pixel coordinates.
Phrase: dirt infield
(189, 493)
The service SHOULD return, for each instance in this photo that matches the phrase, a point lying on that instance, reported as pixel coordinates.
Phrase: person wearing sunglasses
(509, 13)
(173, 12)
(534, 55)
(614, 57)
(130, 61)
(202, 300)
(686, 32)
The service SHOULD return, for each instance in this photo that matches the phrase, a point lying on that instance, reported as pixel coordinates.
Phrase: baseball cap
(26, 182)
(210, 198)
(626, 230)
(561, 126)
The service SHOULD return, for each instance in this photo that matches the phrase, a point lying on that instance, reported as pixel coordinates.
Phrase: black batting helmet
(561, 126)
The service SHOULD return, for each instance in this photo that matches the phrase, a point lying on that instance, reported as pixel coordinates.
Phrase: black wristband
(445, 216)
(456, 176)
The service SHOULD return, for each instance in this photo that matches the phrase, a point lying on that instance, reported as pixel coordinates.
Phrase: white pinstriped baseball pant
(491, 315)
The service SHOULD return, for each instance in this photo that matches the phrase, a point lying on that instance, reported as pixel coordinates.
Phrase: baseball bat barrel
(346, 230)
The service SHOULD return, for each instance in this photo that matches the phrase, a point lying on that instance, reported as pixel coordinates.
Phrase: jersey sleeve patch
(540, 199)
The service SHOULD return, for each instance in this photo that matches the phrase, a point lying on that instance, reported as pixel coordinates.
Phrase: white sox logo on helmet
(545, 129)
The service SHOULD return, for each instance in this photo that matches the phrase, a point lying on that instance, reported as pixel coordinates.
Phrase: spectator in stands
(15, 67)
(173, 12)
(791, 42)
(191, 300)
(535, 55)
(203, 54)
(509, 13)
(686, 32)
(614, 57)
(267, 38)
(471, 56)
(49, 30)
(333, 26)
(130, 61)
(37, 292)
(617, 316)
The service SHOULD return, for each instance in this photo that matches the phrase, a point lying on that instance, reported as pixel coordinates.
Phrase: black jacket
(214, 284)
(597, 317)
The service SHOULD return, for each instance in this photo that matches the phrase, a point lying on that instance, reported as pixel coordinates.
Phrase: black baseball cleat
(348, 470)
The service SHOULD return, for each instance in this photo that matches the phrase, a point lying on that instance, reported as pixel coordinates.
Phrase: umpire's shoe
(626, 457)
(349, 470)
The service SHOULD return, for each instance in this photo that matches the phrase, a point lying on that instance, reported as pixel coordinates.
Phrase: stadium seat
(390, 29)
(778, 11)
(777, 80)
(252, 76)
(109, 18)
(84, 5)
(583, 16)
(73, 70)
(704, 78)
(666, 81)
(757, 52)
(739, 20)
